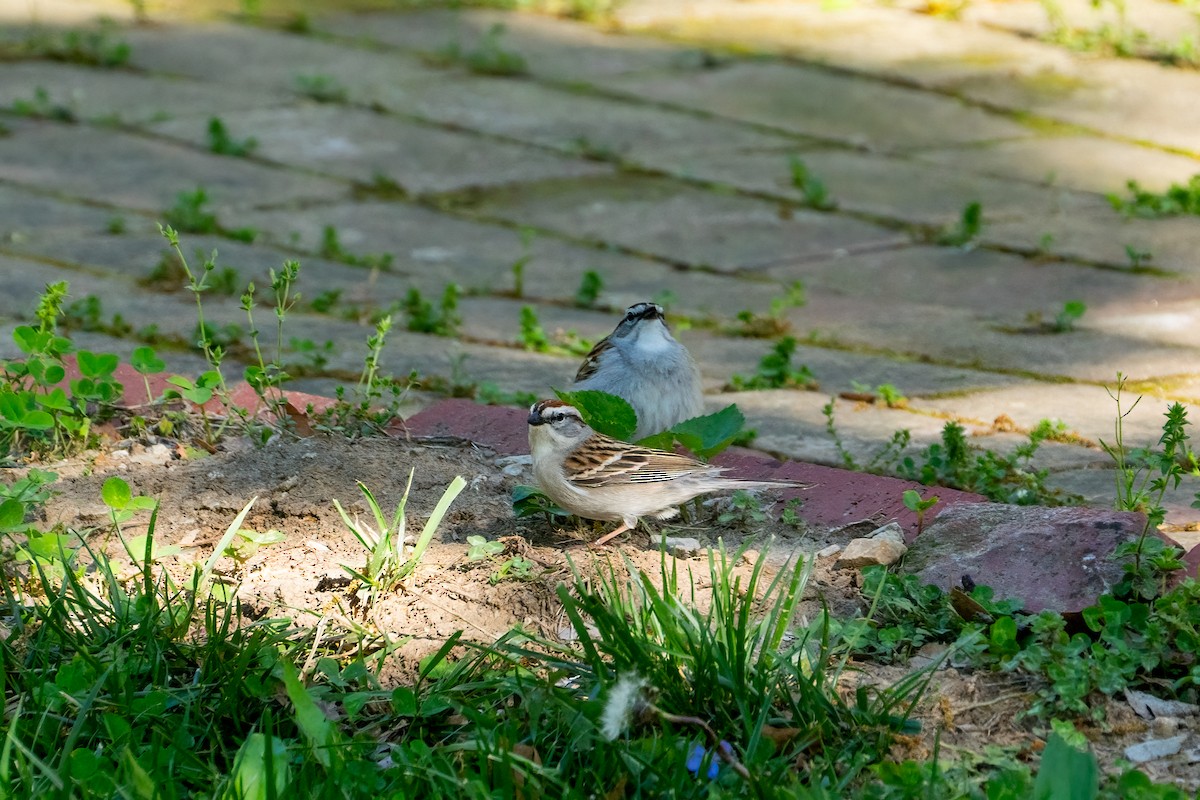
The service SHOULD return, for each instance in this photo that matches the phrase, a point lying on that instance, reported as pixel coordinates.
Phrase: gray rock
(1155, 749)
(682, 546)
(861, 553)
(1051, 558)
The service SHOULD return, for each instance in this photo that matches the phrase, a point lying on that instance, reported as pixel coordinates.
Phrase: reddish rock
(1051, 558)
(502, 429)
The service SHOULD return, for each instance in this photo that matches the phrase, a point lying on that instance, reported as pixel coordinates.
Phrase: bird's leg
(606, 538)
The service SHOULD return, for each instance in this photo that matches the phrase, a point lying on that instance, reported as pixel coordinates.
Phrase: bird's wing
(602, 461)
(592, 362)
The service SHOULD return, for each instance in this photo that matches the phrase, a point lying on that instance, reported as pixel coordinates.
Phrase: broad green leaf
(38, 421)
(1066, 773)
(251, 779)
(116, 493)
(705, 436)
(12, 514)
(146, 361)
(604, 412)
(55, 400)
(318, 731)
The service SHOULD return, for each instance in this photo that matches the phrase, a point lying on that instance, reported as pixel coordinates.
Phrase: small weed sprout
(913, 502)
(221, 143)
(1071, 312)
(331, 248)
(1180, 199)
(321, 88)
(773, 323)
(1138, 257)
(1143, 478)
(589, 290)
(816, 195)
(963, 233)
(533, 337)
(423, 318)
(775, 371)
(389, 559)
(41, 106)
(488, 57)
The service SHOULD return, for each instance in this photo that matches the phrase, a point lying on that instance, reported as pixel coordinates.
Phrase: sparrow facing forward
(597, 477)
(641, 362)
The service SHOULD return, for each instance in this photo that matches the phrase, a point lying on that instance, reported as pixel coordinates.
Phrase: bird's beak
(535, 417)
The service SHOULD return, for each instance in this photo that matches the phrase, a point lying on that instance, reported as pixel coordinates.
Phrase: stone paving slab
(1088, 411)
(552, 48)
(1166, 22)
(791, 423)
(119, 96)
(367, 147)
(721, 357)
(1086, 227)
(978, 280)
(122, 169)
(580, 123)
(873, 38)
(967, 338)
(243, 56)
(29, 216)
(866, 183)
(480, 256)
(1083, 163)
(724, 232)
(815, 102)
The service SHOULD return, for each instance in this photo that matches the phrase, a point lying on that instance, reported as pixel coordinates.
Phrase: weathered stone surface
(836, 371)
(978, 280)
(30, 217)
(243, 55)
(873, 38)
(1050, 558)
(861, 553)
(970, 338)
(681, 546)
(367, 147)
(683, 224)
(869, 183)
(554, 48)
(815, 102)
(125, 170)
(1085, 227)
(1083, 163)
(1087, 410)
(127, 97)
(584, 124)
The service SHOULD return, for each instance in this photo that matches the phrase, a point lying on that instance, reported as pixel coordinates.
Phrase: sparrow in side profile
(597, 477)
(641, 362)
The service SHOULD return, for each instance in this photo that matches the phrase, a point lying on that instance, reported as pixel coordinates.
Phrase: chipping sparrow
(597, 477)
(641, 362)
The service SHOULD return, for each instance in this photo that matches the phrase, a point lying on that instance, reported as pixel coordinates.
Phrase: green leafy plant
(423, 318)
(93, 48)
(1144, 476)
(221, 143)
(488, 57)
(773, 323)
(775, 371)
(964, 233)
(389, 559)
(589, 290)
(913, 502)
(816, 195)
(190, 213)
(533, 336)
(42, 106)
(479, 548)
(331, 248)
(1178, 200)
(322, 88)
(1072, 311)
(1138, 257)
